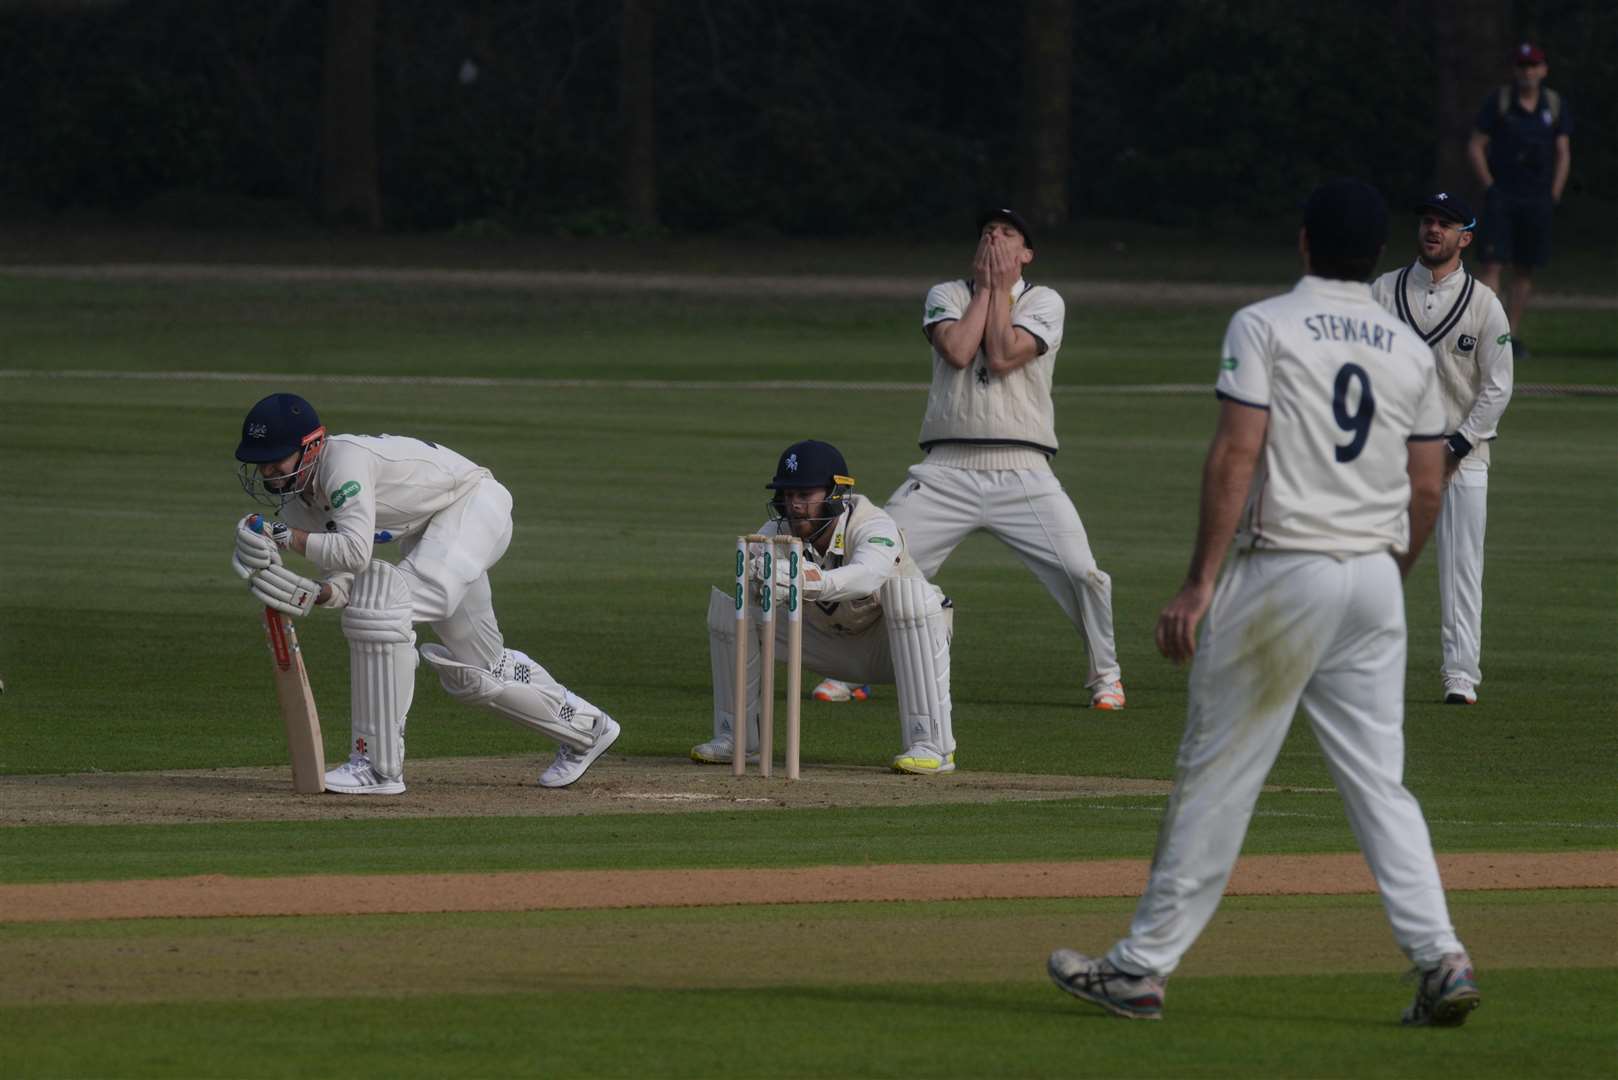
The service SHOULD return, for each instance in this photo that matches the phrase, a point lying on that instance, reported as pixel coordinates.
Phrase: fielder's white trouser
(1458, 538)
(938, 506)
(1285, 628)
(866, 657)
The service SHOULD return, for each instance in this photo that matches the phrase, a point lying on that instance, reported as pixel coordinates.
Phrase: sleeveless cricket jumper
(989, 439)
(1462, 321)
(1309, 611)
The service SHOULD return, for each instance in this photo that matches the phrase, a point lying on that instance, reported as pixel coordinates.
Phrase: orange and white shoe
(1110, 697)
(837, 690)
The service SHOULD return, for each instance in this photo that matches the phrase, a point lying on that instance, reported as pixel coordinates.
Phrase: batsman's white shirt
(1310, 611)
(450, 517)
(372, 489)
(1346, 384)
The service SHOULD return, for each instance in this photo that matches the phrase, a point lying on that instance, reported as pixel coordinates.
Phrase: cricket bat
(298, 713)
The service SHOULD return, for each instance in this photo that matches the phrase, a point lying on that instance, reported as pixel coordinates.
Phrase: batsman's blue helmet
(278, 427)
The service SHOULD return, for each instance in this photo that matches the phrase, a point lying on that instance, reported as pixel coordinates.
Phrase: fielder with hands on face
(869, 615)
(1326, 466)
(341, 495)
(1462, 321)
(990, 431)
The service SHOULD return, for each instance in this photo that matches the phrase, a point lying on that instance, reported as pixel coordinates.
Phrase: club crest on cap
(257, 431)
(1442, 196)
(792, 463)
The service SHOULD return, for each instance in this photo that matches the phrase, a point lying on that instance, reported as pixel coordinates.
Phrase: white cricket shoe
(1459, 692)
(570, 764)
(924, 761)
(357, 777)
(720, 750)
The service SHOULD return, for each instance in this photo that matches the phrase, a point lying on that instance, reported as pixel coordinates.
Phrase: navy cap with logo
(1011, 217)
(1450, 207)
(810, 464)
(277, 427)
(1345, 219)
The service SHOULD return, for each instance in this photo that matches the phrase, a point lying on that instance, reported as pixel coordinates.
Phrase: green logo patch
(1229, 363)
(345, 493)
(883, 540)
(932, 311)
(1502, 339)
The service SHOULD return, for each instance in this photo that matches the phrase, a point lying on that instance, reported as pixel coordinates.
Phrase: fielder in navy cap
(1448, 206)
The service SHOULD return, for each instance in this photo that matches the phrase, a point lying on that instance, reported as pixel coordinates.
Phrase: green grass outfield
(636, 432)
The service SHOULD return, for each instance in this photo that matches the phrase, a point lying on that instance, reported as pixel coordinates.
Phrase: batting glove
(280, 588)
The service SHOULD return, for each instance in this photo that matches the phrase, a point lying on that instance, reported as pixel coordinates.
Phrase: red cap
(1528, 53)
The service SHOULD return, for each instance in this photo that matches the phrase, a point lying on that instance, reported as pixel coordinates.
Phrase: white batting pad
(521, 691)
(381, 665)
(918, 637)
(722, 656)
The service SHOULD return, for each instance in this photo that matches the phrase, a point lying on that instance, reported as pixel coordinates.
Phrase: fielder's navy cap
(1448, 205)
(1003, 214)
(1345, 219)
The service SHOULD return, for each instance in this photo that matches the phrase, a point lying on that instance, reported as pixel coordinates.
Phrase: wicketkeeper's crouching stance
(869, 614)
(339, 496)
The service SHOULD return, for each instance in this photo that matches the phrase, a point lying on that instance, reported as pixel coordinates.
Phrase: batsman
(869, 614)
(340, 497)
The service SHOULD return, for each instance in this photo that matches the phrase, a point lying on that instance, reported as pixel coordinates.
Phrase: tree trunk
(1470, 60)
(637, 109)
(1047, 83)
(349, 191)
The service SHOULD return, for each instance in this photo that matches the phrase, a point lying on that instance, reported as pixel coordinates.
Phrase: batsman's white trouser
(1458, 538)
(447, 567)
(938, 506)
(865, 657)
(1285, 628)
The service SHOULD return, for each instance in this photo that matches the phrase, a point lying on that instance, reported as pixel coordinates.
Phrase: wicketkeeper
(869, 614)
(342, 496)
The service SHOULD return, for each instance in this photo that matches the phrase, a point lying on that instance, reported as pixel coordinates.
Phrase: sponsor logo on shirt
(1229, 363)
(344, 493)
(935, 311)
(883, 540)
(1467, 343)
(1502, 339)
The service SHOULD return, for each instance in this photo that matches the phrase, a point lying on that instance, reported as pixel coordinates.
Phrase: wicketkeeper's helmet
(812, 464)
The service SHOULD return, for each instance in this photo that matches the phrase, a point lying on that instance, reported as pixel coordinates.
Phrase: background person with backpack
(1521, 154)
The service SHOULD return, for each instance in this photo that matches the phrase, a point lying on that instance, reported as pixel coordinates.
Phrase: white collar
(1423, 277)
(1336, 288)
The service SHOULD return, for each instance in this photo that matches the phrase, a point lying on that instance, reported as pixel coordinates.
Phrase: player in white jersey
(869, 615)
(341, 496)
(990, 432)
(1463, 322)
(1326, 466)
